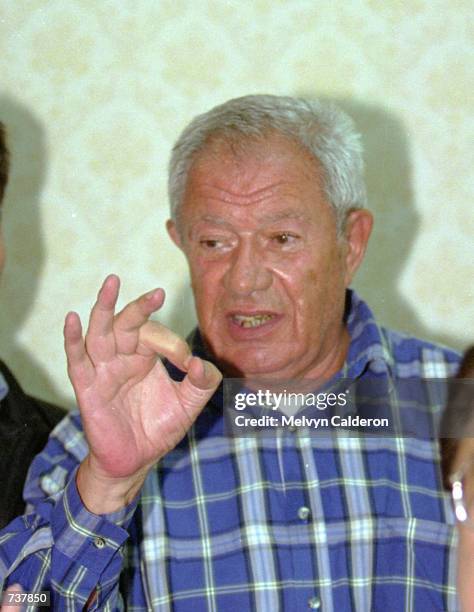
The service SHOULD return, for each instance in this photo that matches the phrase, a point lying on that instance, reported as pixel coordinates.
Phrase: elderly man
(25, 422)
(141, 502)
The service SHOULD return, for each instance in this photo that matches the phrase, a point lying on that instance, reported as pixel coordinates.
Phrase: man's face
(267, 269)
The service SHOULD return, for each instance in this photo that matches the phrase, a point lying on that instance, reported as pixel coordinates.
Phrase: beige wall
(94, 93)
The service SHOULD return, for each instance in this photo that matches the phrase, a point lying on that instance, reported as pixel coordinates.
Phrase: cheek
(310, 300)
(201, 274)
(297, 291)
(318, 296)
(206, 286)
(310, 297)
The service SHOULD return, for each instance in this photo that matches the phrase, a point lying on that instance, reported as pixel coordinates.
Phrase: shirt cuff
(89, 539)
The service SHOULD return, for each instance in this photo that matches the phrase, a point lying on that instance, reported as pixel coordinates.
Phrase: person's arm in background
(25, 424)
(133, 414)
(457, 453)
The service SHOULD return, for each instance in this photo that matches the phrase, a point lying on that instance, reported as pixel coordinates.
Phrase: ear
(173, 233)
(358, 227)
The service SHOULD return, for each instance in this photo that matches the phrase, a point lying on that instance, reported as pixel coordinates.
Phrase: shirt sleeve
(59, 546)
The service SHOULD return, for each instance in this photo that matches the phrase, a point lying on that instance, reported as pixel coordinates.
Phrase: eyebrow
(271, 218)
(285, 214)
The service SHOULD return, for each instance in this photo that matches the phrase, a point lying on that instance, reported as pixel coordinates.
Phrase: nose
(247, 271)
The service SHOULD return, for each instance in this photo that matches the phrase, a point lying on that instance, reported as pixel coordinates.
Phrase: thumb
(199, 384)
(203, 374)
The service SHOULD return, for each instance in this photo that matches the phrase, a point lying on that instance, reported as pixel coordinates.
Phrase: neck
(320, 369)
(333, 360)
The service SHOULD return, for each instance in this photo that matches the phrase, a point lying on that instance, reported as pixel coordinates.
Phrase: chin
(261, 364)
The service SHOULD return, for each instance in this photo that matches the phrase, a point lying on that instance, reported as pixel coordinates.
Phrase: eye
(284, 238)
(215, 244)
(210, 243)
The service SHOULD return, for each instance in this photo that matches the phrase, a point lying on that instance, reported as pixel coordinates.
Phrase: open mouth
(251, 320)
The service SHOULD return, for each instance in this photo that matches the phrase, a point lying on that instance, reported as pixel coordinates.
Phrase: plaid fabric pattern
(288, 522)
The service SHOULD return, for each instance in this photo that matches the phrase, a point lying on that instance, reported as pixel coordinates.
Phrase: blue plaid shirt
(287, 522)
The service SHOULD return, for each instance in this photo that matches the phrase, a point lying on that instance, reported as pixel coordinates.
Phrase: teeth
(245, 321)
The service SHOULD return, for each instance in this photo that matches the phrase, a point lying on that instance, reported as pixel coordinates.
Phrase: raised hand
(133, 413)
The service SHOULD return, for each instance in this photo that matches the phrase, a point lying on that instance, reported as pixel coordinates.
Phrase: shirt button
(99, 542)
(314, 603)
(303, 513)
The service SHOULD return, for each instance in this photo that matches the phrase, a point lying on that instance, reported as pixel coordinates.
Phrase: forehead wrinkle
(229, 196)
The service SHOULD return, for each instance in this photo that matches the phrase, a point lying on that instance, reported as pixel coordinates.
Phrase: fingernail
(150, 294)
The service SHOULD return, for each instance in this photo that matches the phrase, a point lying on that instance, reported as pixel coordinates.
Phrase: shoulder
(26, 409)
(25, 423)
(413, 356)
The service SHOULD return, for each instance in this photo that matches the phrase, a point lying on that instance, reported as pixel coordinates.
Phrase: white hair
(324, 130)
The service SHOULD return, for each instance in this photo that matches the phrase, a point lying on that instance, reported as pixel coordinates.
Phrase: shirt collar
(3, 387)
(368, 348)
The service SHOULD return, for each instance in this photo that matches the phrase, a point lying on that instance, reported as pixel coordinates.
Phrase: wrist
(102, 494)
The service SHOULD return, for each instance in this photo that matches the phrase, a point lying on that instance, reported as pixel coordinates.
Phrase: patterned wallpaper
(95, 92)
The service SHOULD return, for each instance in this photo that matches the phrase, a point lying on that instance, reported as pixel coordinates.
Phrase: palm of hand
(133, 412)
(132, 425)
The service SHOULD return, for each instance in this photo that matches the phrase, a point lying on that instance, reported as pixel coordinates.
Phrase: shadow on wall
(391, 199)
(21, 225)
